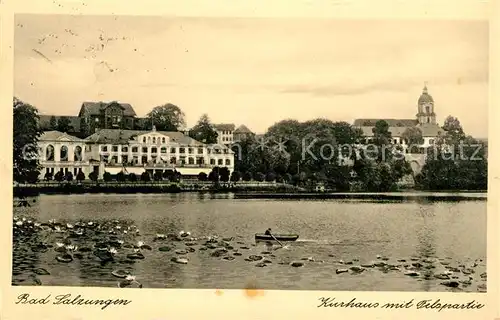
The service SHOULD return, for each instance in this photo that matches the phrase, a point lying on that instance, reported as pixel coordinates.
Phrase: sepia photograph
(327, 154)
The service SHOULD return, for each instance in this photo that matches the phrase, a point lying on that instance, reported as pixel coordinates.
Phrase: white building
(137, 151)
(225, 133)
(59, 151)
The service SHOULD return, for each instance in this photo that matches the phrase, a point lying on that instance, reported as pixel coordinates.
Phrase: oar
(276, 239)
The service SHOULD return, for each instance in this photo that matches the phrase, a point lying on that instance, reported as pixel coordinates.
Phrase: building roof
(242, 129)
(58, 136)
(395, 131)
(390, 122)
(45, 122)
(118, 136)
(425, 97)
(225, 126)
(428, 130)
(95, 108)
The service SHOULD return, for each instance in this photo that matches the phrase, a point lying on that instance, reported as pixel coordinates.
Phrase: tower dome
(425, 97)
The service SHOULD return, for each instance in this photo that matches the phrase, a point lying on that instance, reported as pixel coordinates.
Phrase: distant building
(425, 120)
(98, 115)
(241, 133)
(225, 133)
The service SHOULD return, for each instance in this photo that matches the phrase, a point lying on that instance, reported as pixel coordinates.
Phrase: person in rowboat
(268, 232)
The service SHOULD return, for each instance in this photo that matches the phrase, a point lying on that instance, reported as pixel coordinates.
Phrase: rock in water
(120, 273)
(180, 260)
(442, 276)
(164, 249)
(41, 272)
(451, 284)
(219, 252)
(136, 255)
(254, 258)
(338, 271)
(64, 258)
(357, 269)
(297, 264)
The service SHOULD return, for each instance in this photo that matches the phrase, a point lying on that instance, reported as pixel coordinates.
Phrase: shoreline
(284, 192)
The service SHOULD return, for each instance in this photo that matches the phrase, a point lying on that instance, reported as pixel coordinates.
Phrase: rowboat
(279, 237)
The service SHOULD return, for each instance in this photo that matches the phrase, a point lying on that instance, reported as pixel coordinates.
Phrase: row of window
(227, 132)
(63, 153)
(162, 150)
(148, 139)
(397, 141)
(173, 160)
(227, 139)
(63, 170)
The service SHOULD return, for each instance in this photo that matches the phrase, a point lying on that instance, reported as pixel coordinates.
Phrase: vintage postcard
(335, 161)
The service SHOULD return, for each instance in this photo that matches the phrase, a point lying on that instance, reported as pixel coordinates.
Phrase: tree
(454, 132)
(270, 176)
(93, 176)
(53, 123)
(48, 176)
(259, 176)
(235, 176)
(80, 176)
(413, 137)
(145, 177)
(158, 176)
(169, 175)
(59, 176)
(202, 176)
(214, 175)
(69, 176)
(287, 178)
(120, 176)
(106, 176)
(203, 131)
(247, 176)
(382, 140)
(26, 133)
(224, 174)
(168, 117)
(132, 177)
(84, 127)
(463, 165)
(64, 124)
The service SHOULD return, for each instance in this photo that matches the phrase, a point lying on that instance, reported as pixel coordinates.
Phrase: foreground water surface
(343, 244)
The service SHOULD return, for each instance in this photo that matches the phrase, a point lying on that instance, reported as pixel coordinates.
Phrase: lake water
(439, 235)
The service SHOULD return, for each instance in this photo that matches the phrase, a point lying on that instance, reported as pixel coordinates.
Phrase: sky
(255, 71)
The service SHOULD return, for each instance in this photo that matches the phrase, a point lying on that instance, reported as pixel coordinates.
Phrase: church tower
(426, 108)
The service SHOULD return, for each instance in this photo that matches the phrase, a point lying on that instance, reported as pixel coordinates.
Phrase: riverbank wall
(27, 190)
(262, 190)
